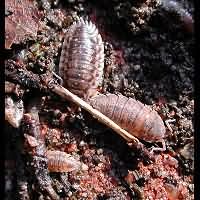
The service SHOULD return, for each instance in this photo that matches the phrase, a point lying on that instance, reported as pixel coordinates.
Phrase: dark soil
(148, 56)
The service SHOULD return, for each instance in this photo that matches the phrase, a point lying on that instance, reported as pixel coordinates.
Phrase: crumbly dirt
(148, 56)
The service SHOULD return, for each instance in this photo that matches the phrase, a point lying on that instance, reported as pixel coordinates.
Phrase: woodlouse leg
(163, 148)
(147, 155)
(168, 125)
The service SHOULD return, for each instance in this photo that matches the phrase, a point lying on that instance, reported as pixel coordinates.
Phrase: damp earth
(148, 57)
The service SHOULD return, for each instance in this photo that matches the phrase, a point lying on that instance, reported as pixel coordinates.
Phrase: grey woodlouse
(59, 161)
(82, 59)
(133, 116)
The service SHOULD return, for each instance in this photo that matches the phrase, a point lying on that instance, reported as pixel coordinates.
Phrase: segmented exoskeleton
(130, 114)
(59, 161)
(82, 59)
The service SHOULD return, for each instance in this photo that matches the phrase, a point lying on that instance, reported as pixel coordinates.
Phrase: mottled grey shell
(82, 59)
(133, 116)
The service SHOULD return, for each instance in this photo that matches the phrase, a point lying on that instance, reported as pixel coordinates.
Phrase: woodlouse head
(154, 128)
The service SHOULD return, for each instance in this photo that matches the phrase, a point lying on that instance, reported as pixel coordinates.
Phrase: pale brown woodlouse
(82, 59)
(133, 116)
(59, 161)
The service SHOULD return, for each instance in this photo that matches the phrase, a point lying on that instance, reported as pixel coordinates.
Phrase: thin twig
(131, 140)
(46, 80)
(63, 92)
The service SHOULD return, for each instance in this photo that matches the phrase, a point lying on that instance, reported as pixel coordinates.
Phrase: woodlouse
(59, 161)
(82, 59)
(138, 119)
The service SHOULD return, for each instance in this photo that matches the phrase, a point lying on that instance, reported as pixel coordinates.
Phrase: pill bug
(82, 59)
(59, 161)
(138, 119)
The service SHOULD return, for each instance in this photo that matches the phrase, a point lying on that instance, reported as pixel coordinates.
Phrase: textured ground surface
(148, 56)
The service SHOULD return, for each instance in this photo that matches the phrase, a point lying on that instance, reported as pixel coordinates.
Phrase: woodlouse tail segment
(184, 16)
(59, 161)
